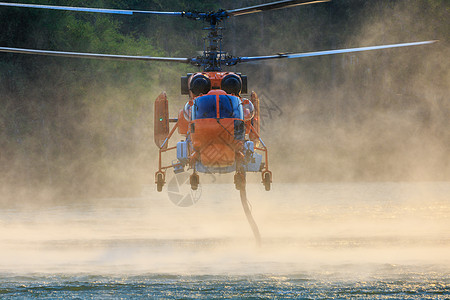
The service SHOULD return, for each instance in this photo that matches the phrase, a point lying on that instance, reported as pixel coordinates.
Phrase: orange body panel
(215, 141)
(183, 124)
(161, 120)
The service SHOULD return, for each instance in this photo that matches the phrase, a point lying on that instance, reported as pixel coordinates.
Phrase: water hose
(248, 214)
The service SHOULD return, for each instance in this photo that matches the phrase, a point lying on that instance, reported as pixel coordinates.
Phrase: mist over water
(314, 237)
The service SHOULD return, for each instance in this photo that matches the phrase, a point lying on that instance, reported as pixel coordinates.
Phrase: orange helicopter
(221, 128)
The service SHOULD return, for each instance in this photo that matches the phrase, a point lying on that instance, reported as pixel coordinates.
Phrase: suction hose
(248, 214)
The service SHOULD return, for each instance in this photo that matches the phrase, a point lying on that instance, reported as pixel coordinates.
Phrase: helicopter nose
(216, 142)
(217, 155)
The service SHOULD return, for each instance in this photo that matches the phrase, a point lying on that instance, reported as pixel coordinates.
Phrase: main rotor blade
(94, 55)
(329, 52)
(271, 6)
(94, 10)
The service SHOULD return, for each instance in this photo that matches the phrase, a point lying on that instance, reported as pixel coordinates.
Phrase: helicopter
(221, 128)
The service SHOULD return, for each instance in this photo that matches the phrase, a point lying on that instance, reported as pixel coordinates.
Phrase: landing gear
(194, 180)
(159, 180)
(267, 180)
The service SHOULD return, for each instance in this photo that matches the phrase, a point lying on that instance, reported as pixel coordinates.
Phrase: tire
(266, 181)
(159, 182)
(194, 180)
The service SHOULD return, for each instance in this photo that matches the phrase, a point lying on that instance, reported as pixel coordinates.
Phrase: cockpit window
(230, 107)
(204, 107)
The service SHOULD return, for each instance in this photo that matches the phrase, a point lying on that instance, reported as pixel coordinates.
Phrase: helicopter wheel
(159, 182)
(239, 181)
(194, 180)
(267, 180)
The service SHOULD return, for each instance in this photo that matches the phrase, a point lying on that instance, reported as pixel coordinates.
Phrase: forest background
(84, 128)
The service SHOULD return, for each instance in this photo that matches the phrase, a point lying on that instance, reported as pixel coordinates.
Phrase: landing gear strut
(267, 180)
(159, 180)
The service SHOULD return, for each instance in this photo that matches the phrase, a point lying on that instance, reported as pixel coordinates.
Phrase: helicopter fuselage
(217, 128)
(220, 127)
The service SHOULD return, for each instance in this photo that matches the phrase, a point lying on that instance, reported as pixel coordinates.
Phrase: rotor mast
(213, 55)
(213, 46)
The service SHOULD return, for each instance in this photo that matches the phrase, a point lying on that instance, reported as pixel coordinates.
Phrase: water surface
(342, 240)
